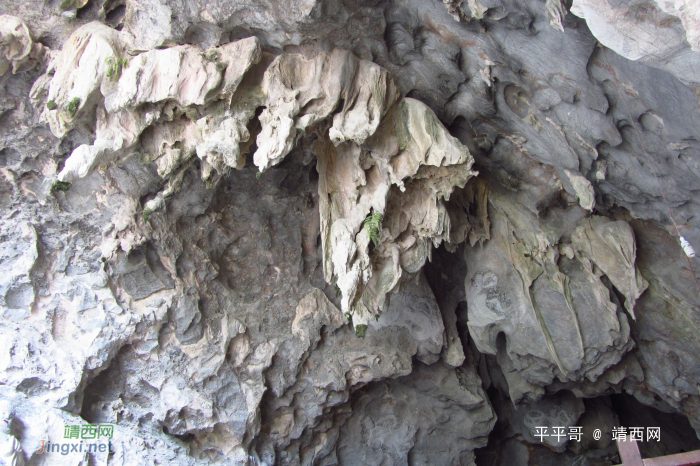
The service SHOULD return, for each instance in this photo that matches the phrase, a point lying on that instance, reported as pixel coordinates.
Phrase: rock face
(327, 232)
(18, 52)
(436, 415)
(661, 33)
(521, 289)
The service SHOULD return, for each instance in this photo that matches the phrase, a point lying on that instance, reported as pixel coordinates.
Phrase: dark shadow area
(676, 433)
(507, 445)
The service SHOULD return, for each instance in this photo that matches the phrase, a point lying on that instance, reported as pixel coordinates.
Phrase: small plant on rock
(60, 186)
(520, 98)
(73, 106)
(373, 226)
(115, 66)
(360, 331)
(51, 105)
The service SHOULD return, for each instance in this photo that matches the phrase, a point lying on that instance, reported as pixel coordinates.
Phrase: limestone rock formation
(330, 232)
(11, 452)
(528, 285)
(18, 52)
(404, 416)
(662, 33)
(140, 104)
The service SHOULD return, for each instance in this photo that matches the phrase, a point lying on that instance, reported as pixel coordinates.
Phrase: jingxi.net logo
(101, 436)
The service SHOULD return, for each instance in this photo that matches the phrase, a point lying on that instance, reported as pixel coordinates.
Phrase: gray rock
(433, 416)
(200, 306)
(142, 274)
(666, 329)
(37, 425)
(518, 286)
(342, 362)
(549, 418)
(188, 319)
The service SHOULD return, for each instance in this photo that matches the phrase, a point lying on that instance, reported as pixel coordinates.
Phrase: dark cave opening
(506, 445)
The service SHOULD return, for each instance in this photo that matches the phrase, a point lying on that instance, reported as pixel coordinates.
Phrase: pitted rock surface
(328, 232)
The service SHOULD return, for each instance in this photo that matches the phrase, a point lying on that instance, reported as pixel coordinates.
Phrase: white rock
(665, 35)
(17, 49)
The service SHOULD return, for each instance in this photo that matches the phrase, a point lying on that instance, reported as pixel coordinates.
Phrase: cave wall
(188, 192)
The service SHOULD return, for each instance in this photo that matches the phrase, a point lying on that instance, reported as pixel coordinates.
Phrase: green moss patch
(60, 186)
(73, 106)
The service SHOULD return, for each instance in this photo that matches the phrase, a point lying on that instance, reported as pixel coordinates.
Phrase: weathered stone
(647, 31)
(405, 173)
(18, 51)
(668, 314)
(204, 310)
(303, 92)
(520, 287)
(386, 424)
(410, 327)
(553, 412)
(188, 319)
(19, 255)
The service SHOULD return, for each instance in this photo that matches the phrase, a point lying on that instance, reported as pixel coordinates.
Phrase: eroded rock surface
(435, 415)
(662, 33)
(328, 232)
